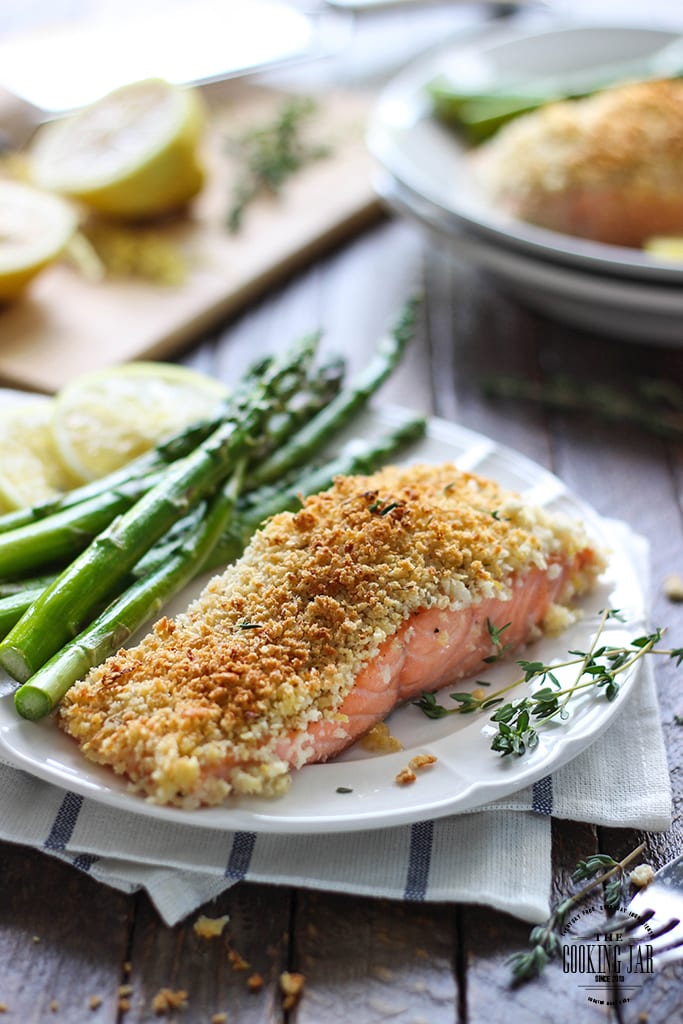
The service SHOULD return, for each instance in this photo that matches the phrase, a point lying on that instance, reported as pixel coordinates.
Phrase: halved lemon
(132, 154)
(35, 228)
(30, 469)
(104, 419)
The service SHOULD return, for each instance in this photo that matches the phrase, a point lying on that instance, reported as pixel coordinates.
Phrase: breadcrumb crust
(204, 705)
(606, 167)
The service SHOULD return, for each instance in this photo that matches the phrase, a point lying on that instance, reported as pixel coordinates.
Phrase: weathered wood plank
(63, 939)
(373, 961)
(221, 974)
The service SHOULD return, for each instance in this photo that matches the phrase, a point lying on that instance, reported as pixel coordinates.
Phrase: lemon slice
(30, 469)
(34, 230)
(104, 419)
(132, 154)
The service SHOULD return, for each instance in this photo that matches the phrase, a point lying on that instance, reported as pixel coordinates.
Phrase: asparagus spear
(13, 606)
(211, 546)
(8, 588)
(137, 605)
(350, 401)
(99, 571)
(62, 535)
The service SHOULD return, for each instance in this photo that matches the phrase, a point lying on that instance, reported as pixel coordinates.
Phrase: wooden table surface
(365, 959)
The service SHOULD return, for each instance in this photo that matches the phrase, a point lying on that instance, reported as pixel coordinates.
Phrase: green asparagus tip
(32, 703)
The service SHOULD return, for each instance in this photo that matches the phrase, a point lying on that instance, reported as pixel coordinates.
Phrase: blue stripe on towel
(419, 859)
(84, 861)
(65, 822)
(542, 797)
(240, 855)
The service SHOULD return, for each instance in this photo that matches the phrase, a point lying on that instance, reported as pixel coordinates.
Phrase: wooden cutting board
(67, 323)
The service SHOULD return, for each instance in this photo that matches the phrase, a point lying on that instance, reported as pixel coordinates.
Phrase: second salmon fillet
(379, 588)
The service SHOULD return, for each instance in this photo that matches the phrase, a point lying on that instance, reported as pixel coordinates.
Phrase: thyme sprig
(652, 404)
(546, 939)
(597, 668)
(270, 154)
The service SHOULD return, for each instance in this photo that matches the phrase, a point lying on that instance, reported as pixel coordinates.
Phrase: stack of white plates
(424, 172)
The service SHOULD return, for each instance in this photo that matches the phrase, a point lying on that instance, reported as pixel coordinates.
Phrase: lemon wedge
(132, 154)
(30, 469)
(106, 418)
(35, 228)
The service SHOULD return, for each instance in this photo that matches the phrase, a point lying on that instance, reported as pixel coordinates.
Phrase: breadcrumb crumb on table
(237, 961)
(4, 1008)
(642, 875)
(291, 986)
(210, 927)
(169, 999)
(219, 1018)
(673, 587)
(254, 982)
(94, 1002)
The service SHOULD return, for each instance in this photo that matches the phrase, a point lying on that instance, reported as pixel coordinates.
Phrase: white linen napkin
(499, 855)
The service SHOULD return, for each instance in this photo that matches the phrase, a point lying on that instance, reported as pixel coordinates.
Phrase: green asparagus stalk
(98, 573)
(37, 697)
(307, 441)
(54, 540)
(13, 607)
(214, 544)
(320, 389)
(8, 588)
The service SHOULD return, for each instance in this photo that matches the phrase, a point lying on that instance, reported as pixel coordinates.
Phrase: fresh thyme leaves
(616, 887)
(500, 647)
(517, 720)
(249, 625)
(344, 789)
(546, 939)
(653, 405)
(381, 508)
(271, 154)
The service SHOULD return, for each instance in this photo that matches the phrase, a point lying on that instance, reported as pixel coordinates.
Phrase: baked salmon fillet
(377, 589)
(606, 167)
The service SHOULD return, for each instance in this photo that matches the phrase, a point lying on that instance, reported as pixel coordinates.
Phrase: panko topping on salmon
(379, 588)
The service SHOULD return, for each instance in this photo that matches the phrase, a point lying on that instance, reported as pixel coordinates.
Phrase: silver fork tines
(654, 917)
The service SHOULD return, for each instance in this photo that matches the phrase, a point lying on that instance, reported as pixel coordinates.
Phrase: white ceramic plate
(623, 308)
(429, 159)
(467, 772)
